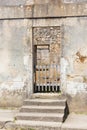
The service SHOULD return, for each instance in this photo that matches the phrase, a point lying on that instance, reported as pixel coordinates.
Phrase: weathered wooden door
(46, 60)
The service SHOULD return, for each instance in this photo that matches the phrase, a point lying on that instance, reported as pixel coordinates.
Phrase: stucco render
(16, 50)
(74, 62)
(14, 65)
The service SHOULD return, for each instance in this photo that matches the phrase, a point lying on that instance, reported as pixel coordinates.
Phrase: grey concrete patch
(75, 122)
(7, 116)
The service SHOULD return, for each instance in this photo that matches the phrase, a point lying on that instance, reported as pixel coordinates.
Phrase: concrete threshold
(47, 96)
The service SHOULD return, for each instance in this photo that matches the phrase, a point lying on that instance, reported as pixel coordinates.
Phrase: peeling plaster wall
(14, 62)
(74, 63)
(16, 48)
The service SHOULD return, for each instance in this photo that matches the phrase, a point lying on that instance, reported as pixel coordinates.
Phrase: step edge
(38, 123)
(42, 100)
(41, 114)
(43, 107)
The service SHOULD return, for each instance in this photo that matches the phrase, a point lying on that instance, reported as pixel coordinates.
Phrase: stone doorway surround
(35, 23)
(47, 53)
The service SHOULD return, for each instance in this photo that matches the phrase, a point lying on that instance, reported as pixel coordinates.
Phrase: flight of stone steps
(42, 114)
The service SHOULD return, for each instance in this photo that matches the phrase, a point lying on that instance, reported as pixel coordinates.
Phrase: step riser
(31, 127)
(42, 110)
(44, 103)
(52, 119)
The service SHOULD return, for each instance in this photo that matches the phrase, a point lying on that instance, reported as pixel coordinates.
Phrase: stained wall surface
(14, 55)
(17, 56)
(75, 62)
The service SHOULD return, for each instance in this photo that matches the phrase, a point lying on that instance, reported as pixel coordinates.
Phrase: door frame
(34, 45)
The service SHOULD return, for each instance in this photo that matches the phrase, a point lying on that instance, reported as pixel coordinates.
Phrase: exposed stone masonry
(50, 36)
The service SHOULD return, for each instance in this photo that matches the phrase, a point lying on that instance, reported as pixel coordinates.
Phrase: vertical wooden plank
(38, 78)
(53, 78)
(49, 66)
(44, 85)
(47, 75)
(43, 78)
(56, 77)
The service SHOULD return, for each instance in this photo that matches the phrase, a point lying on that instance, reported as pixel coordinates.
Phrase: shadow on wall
(66, 112)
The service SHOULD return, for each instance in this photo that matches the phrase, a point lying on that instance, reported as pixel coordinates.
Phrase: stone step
(47, 96)
(42, 113)
(38, 125)
(45, 102)
(41, 117)
(43, 109)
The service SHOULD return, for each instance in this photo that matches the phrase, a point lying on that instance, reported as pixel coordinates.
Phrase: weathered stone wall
(16, 49)
(52, 9)
(16, 60)
(75, 60)
(50, 36)
(14, 54)
(74, 1)
(12, 2)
